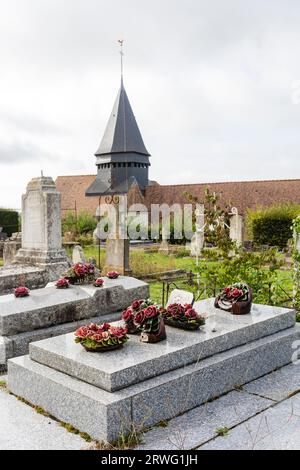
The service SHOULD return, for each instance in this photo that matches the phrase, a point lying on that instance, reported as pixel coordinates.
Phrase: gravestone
(10, 249)
(164, 247)
(179, 296)
(197, 240)
(236, 229)
(78, 255)
(196, 244)
(117, 246)
(41, 228)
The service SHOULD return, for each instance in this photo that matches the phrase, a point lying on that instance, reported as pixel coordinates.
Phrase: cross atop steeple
(121, 42)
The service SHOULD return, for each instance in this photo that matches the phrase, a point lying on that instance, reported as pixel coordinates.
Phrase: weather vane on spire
(121, 41)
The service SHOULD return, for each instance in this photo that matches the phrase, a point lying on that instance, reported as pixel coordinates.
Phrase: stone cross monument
(41, 228)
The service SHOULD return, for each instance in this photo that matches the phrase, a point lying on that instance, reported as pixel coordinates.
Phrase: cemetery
(83, 340)
(141, 314)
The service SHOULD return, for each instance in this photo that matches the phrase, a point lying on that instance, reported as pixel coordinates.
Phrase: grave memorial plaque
(182, 297)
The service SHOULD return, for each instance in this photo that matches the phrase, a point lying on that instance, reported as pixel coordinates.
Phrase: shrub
(81, 224)
(9, 220)
(272, 225)
(258, 270)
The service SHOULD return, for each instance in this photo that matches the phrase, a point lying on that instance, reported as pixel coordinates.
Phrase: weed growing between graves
(68, 427)
(3, 385)
(222, 431)
(124, 442)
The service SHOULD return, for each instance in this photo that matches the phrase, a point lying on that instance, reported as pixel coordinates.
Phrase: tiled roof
(241, 194)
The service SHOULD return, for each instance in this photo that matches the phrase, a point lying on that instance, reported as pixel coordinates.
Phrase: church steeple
(122, 158)
(122, 134)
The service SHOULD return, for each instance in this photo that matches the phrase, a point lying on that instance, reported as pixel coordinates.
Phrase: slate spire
(122, 134)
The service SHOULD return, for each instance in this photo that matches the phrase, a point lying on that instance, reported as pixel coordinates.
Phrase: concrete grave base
(14, 276)
(50, 311)
(140, 385)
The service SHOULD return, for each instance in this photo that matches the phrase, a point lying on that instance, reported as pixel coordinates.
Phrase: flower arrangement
(236, 298)
(81, 273)
(113, 275)
(142, 316)
(62, 284)
(182, 316)
(98, 338)
(21, 291)
(132, 311)
(99, 282)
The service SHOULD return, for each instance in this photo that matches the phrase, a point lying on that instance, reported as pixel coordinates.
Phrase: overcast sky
(214, 85)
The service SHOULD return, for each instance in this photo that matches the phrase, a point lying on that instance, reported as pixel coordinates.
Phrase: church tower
(122, 158)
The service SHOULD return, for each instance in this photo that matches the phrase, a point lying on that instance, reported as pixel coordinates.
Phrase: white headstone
(78, 255)
(236, 229)
(179, 296)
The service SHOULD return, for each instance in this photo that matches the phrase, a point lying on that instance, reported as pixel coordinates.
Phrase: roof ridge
(228, 182)
(74, 176)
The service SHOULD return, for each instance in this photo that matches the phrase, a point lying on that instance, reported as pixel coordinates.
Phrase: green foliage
(182, 253)
(217, 220)
(82, 223)
(84, 240)
(298, 317)
(2, 384)
(9, 220)
(222, 431)
(272, 225)
(73, 430)
(258, 270)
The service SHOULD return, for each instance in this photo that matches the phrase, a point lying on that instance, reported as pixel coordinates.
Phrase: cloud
(20, 152)
(211, 85)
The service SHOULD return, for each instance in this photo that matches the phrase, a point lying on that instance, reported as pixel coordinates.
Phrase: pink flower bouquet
(98, 338)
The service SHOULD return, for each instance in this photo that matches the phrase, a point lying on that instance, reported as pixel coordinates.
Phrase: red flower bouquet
(144, 317)
(99, 338)
(113, 275)
(236, 299)
(62, 284)
(99, 282)
(81, 273)
(131, 312)
(21, 292)
(183, 316)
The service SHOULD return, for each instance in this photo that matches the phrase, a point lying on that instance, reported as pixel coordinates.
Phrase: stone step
(104, 415)
(138, 361)
(51, 306)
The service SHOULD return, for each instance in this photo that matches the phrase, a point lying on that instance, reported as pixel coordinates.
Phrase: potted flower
(99, 282)
(21, 291)
(113, 275)
(236, 298)
(151, 324)
(62, 284)
(182, 316)
(101, 338)
(81, 273)
(130, 313)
